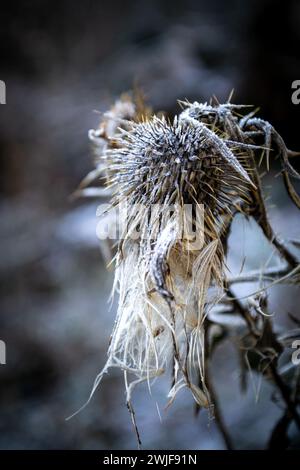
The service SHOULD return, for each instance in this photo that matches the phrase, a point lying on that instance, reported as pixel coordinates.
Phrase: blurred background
(62, 63)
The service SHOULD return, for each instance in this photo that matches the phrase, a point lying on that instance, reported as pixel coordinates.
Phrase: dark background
(60, 62)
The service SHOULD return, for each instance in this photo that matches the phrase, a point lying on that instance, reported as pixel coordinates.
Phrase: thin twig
(213, 397)
(256, 276)
(285, 393)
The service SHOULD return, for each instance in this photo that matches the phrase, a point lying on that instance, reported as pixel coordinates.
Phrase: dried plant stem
(285, 393)
(255, 276)
(132, 415)
(245, 314)
(217, 413)
(274, 375)
(260, 215)
(213, 396)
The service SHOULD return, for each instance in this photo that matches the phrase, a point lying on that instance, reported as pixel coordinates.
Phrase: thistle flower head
(158, 161)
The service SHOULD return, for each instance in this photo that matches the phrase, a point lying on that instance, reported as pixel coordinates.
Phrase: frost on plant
(170, 288)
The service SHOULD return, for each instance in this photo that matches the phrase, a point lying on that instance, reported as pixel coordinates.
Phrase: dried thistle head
(152, 165)
(203, 158)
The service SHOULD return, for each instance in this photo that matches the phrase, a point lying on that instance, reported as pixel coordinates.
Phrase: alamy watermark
(296, 354)
(2, 92)
(2, 352)
(139, 222)
(296, 94)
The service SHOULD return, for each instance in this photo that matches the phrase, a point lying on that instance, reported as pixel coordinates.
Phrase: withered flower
(177, 184)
